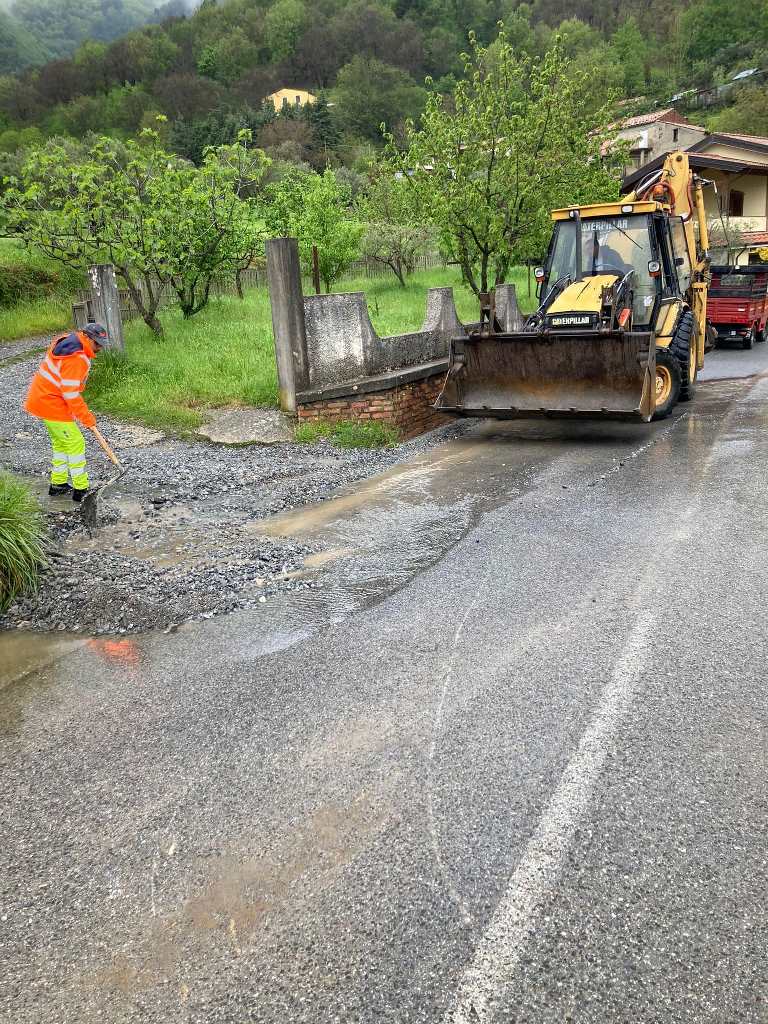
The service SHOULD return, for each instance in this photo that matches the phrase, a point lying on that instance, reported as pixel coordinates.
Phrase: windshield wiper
(623, 232)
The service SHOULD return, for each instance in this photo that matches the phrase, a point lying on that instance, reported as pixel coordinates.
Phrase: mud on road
(197, 529)
(177, 537)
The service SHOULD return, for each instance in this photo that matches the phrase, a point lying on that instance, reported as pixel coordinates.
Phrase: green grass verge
(21, 540)
(349, 433)
(222, 357)
(35, 292)
(225, 355)
(38, 316)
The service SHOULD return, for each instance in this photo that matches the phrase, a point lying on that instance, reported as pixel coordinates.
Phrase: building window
(675, 133)
(298, 101)
(285, 102)
(735, 203)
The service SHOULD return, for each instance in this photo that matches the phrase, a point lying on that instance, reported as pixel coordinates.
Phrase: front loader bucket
(527, 374)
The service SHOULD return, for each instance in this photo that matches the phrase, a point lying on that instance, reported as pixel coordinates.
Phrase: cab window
(610, 245)
(680, 250)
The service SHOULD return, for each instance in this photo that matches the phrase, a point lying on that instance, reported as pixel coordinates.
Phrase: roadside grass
(35, 292)
(37, 316)
(349, 433)
(21, 540)
(225, 355)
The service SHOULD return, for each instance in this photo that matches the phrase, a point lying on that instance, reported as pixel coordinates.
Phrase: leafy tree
(631, 52)
(187, 96)
(212, 230)
(324, 123)
(160, 221)
(18, 46)
(283, 25)
(145, 55)
(315, 209)
(519, 139)
(748, 114)
(13, 139)
(370, 93)
(710, 25)
(370, 30)
(59, 25)
(19, 101)
(395, 234)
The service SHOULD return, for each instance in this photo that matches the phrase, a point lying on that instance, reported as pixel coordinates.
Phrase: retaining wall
(332, 364)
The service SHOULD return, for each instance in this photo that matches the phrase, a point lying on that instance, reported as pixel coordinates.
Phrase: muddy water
(371, 540)
(23, 653)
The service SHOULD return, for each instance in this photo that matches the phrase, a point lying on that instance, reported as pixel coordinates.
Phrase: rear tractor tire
(668, 383)
(683, 348)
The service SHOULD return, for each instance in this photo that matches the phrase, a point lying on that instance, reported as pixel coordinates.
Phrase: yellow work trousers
(68, 445)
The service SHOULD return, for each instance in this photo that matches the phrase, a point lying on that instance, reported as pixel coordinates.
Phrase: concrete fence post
(106, 303)
(288, 325)
(507, 310)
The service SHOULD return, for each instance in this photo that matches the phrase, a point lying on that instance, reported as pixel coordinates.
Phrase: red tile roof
(755, 237)
(669, 114)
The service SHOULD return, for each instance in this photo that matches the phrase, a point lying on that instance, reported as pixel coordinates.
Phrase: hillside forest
(110, 67)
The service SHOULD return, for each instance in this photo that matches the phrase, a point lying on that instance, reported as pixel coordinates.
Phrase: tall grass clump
(21, 540)
(225, 356)
(349, 433)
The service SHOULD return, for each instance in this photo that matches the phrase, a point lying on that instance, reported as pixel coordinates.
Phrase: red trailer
(737, 304)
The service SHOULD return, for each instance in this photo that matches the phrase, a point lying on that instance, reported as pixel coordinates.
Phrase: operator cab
(631, 251)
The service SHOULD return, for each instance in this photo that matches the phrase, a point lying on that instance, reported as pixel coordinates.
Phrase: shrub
(20, 281)
(21, 540)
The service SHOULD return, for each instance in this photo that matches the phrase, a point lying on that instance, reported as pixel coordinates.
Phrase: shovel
(88, 506)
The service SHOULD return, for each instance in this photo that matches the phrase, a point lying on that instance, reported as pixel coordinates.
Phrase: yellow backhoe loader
(621, 326)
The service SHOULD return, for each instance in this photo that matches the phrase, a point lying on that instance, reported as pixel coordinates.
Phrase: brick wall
(408, 407)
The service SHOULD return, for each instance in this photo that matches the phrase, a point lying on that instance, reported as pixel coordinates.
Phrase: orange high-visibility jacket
(56, 389)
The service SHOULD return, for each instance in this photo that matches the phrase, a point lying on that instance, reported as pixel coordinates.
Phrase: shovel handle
(103, 442)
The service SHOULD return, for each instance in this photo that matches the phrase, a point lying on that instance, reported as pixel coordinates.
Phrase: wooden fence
(252, 278)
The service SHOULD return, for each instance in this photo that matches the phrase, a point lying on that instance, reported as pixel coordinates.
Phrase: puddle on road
(22, 653)
(375, 537)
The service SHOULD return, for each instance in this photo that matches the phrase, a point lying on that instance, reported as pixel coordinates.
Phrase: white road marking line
(541, 864)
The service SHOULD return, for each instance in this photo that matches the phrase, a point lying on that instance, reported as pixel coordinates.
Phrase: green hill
(209, 72)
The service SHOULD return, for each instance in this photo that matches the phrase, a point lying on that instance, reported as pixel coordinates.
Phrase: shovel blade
(580, 374)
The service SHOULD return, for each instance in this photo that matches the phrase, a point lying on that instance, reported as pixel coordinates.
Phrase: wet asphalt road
(508, 765)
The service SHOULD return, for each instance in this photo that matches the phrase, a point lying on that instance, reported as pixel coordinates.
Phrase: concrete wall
(651, 140)
(326, 346)
(342, 344)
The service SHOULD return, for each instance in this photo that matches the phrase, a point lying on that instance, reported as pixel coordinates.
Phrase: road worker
(56, 397)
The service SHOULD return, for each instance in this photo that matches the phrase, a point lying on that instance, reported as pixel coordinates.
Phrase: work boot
(78, 494)
(57, 490)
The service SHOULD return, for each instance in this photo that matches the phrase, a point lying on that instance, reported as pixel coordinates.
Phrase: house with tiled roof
(649, 135)
(737, 206)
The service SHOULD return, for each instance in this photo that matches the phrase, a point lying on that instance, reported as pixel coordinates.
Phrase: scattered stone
(176, 542)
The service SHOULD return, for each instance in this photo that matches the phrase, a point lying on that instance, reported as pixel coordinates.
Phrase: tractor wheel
(667, 383)
(683, 349)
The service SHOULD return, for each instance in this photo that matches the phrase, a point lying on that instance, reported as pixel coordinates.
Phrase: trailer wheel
(667, 383)
(749, 339)
(760, 336)
(684, 351)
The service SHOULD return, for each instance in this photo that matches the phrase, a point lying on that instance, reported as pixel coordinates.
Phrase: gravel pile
(192, 498)
(102, 592)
